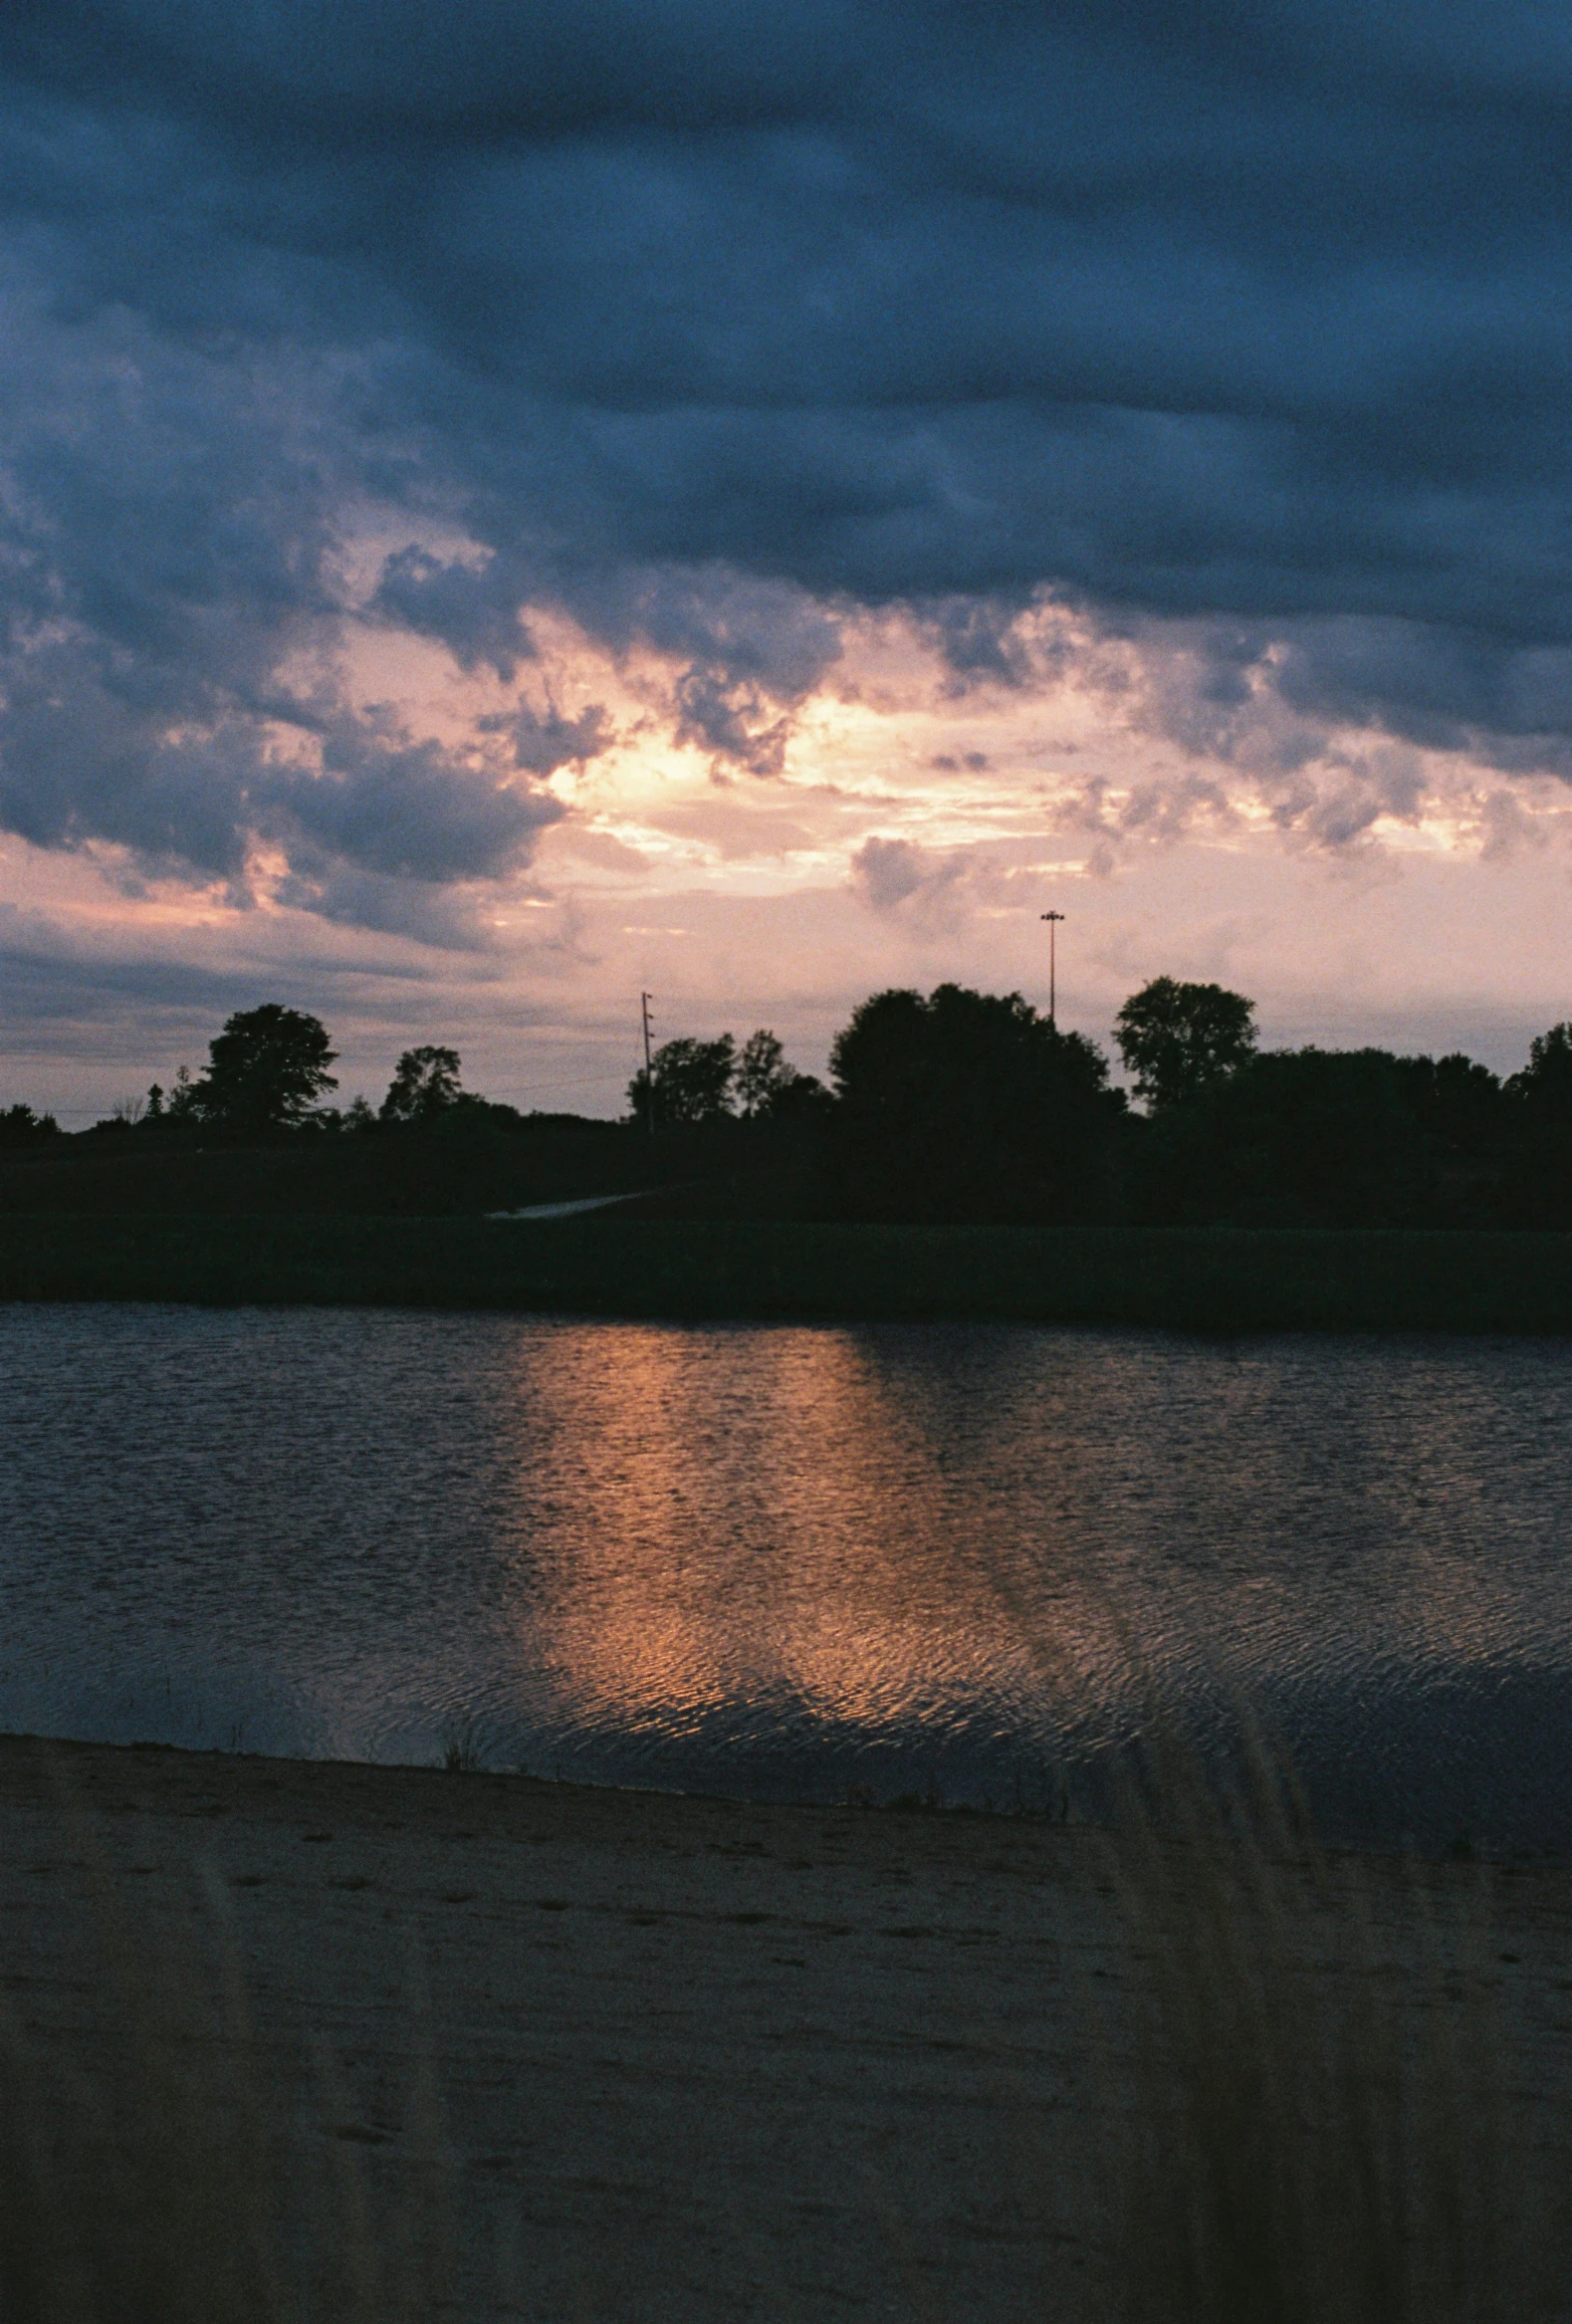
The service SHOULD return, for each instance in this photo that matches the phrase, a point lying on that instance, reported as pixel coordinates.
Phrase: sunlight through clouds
(832, 490)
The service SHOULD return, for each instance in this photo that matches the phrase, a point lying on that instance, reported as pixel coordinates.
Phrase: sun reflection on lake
(790, 1562)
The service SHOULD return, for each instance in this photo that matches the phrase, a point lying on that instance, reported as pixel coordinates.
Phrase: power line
(583, 1081)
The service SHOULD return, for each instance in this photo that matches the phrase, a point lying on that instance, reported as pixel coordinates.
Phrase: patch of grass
(132, 2198)
(1222, 1280)
(405, 1174)
(1308, 2111)
(153, 2188)
(461, 1747)
(1316, 2125)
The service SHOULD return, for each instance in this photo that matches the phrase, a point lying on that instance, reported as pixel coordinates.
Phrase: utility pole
(644, 1001)
(1052, 918)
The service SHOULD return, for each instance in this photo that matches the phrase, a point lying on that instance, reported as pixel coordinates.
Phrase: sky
(504, 507)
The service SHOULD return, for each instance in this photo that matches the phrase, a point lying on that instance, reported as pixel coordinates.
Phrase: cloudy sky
(504, 505)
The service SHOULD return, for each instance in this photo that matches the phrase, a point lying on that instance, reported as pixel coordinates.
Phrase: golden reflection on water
(834, 1522)
(748, 1530)
(782, 1560)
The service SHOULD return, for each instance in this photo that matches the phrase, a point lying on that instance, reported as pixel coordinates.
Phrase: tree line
(267, 1077)
(966, 1105)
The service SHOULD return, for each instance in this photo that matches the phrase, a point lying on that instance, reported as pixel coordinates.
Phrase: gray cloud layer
(704, 324)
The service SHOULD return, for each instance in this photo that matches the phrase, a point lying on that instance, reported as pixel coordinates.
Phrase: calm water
(795, 1562)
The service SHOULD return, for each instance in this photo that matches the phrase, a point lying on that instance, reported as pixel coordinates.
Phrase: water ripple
(795, 1562)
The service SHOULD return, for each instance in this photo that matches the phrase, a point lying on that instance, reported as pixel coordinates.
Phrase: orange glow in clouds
(901, 828)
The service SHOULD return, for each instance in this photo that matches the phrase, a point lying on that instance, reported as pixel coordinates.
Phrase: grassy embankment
(616, 1263)
(374, 1176)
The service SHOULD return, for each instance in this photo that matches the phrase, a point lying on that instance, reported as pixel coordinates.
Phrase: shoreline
(715, 2060)
(1081, 1828)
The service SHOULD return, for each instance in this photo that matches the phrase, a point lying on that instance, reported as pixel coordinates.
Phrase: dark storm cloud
(408, 812)
(706, 326)
(477, 613)
(88, 996)
(43, 980)
(544, 742)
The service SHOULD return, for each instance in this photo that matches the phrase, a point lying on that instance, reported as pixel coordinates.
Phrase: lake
(797, 1563)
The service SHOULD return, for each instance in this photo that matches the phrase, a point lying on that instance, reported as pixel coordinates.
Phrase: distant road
(595, 1202)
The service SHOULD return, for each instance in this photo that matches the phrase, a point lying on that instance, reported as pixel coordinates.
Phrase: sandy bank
(699, 2060)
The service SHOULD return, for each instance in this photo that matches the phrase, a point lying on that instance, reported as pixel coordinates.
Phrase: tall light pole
(644, 1001)
(1052, 918)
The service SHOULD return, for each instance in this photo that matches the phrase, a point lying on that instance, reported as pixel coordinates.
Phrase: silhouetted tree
(1467, 1123)
(1175, 1039)
(1538, 1101)
(1543, 1089)
(425, 1083)
(760, 1071)
(124, 1116)
(1293, 1138)
(770, 1090)
(970, 1105)
(797, 1102)
(266, 1070)
(692, 1083)
(1458, 1103)
(21, 1126)
(184, 1102)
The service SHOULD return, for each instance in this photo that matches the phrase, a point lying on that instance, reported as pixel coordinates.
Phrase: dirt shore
(698, 2060)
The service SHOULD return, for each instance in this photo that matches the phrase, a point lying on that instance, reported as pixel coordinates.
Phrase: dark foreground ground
(1210, 1280)
(697, 2061)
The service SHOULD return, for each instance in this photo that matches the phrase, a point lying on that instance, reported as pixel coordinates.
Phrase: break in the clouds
(409, 412)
